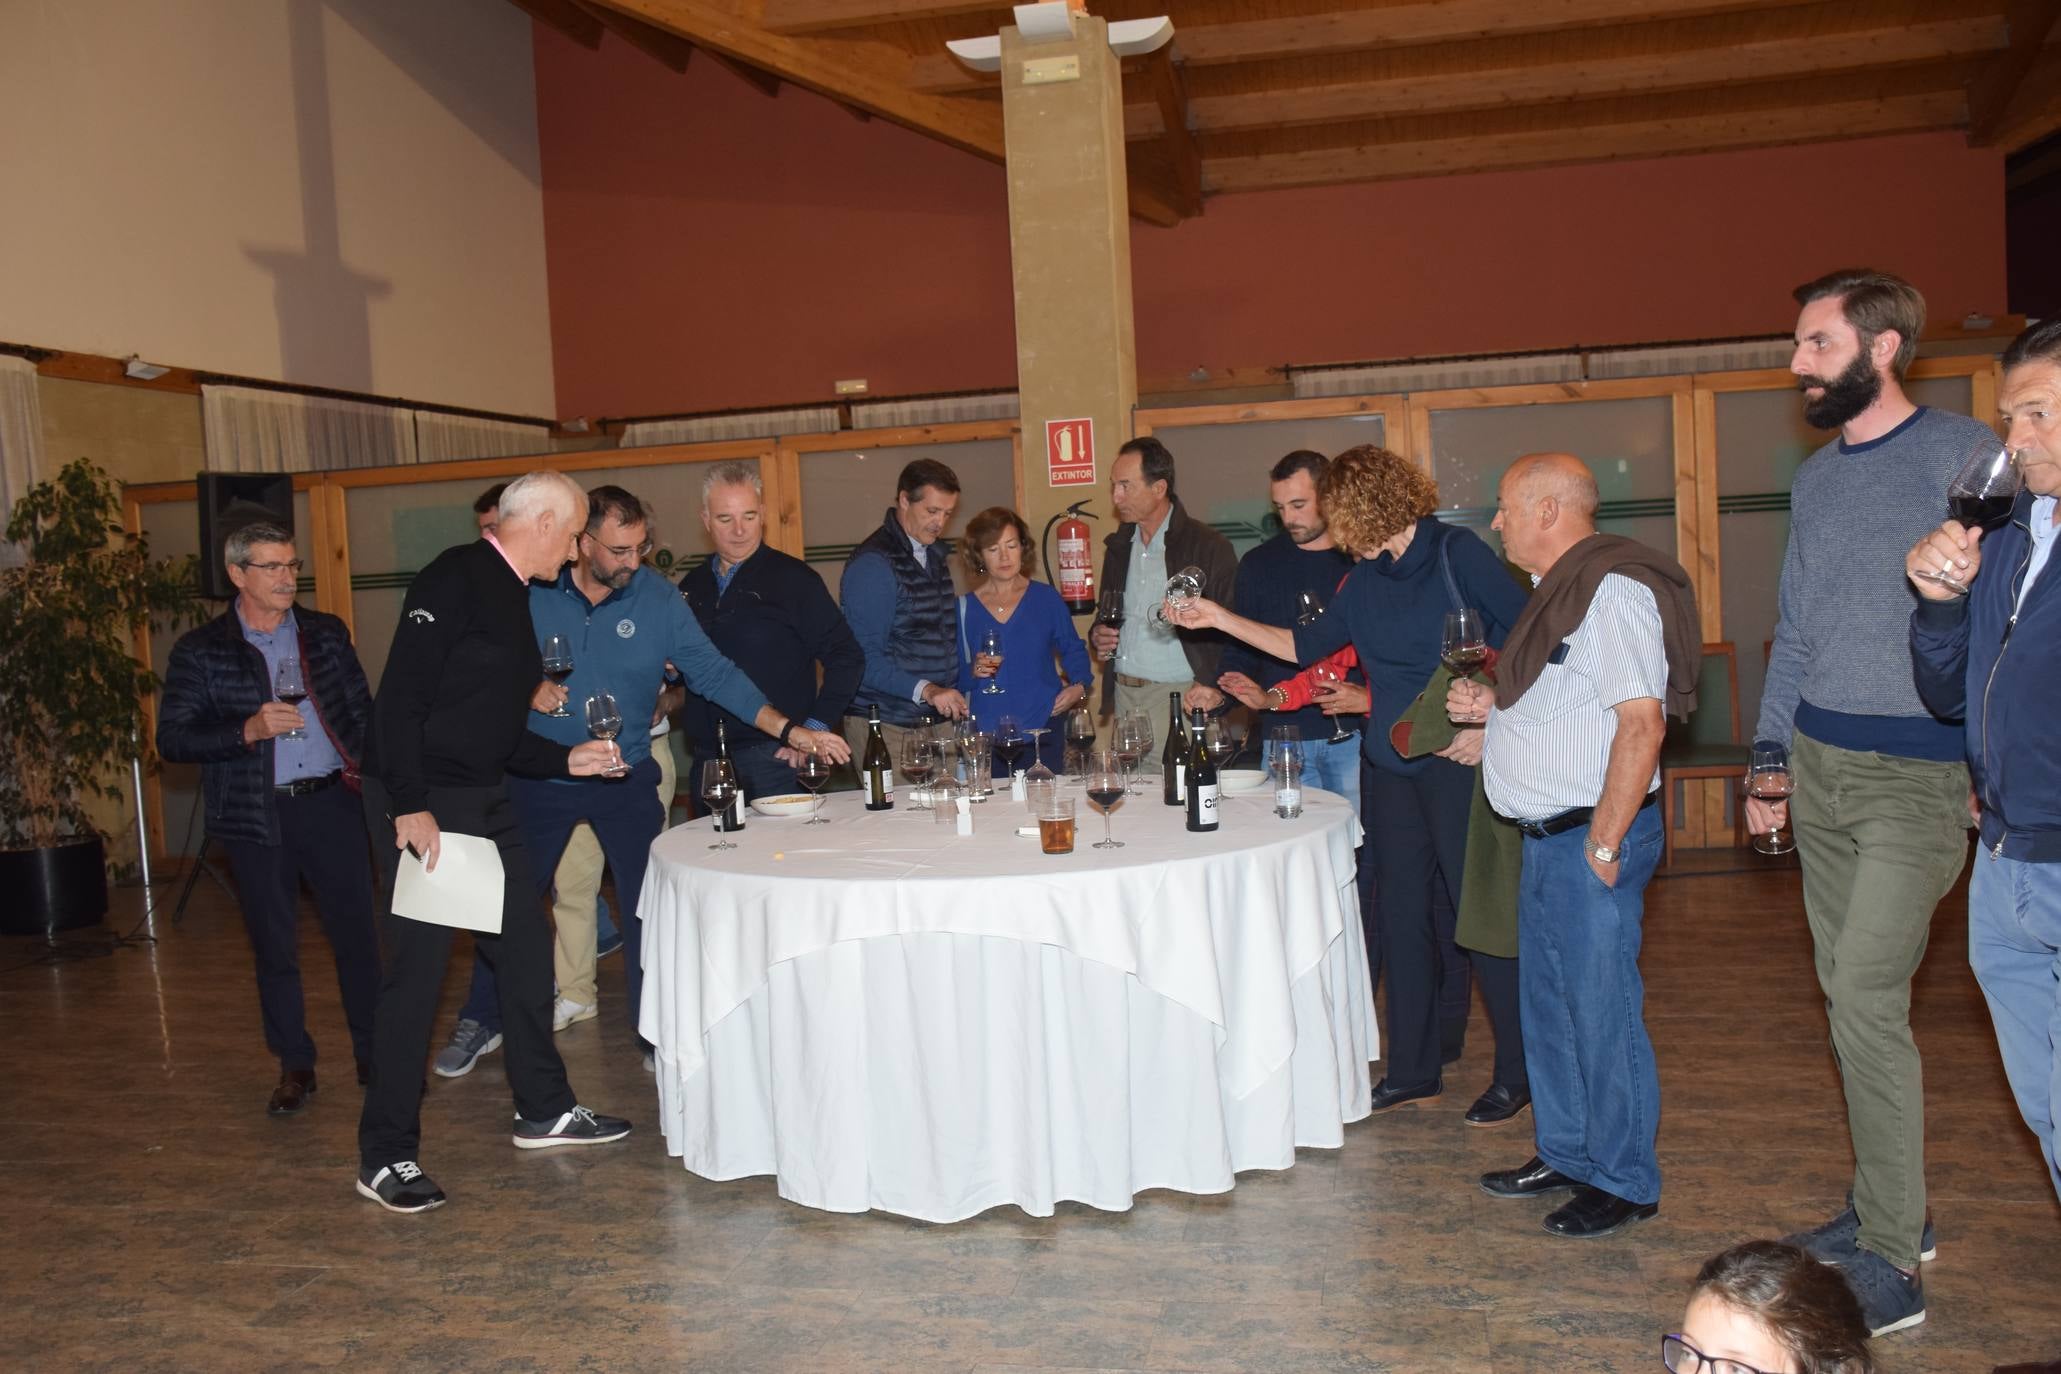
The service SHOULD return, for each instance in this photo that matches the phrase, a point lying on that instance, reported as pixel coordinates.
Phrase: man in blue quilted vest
(897, 596)
(270, 774)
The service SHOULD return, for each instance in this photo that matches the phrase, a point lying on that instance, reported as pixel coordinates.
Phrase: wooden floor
(157, 1219)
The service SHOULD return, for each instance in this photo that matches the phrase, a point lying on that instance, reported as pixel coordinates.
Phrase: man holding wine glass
(1879, 807)
(240, 697)
(1992, 654)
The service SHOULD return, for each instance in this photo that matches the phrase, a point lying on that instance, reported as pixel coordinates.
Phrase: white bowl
(792, 804)
(1236, 780)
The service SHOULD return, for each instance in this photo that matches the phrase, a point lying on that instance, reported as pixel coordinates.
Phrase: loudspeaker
(228, 502)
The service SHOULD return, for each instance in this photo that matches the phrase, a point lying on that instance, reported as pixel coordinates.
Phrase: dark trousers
(322, 840)
(758, 772)
(390, 1128)
(626, 819)
(1417, 844)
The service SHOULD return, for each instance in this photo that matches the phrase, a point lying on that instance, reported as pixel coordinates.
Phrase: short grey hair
(236, 548)
(732, 474)
(533, 493)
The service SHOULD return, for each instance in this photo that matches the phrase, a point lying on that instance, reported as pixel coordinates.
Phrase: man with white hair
(448, 725)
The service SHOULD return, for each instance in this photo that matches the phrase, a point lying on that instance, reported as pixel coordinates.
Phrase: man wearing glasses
(270, 773)
(625, 623)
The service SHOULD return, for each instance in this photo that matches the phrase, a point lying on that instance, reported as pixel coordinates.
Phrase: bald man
(1572, 755)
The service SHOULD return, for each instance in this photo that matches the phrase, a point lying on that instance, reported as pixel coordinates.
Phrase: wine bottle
(1202, 782)
(733, 816)
(876, 766)
(1173, 759)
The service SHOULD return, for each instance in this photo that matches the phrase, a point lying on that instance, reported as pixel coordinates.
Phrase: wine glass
(1125, 745)
(1009, 743)
(719, 789)
(1106, 791)
(919, 765)
(1464, 649)
(604, 721)
(1768, 778)
(1183, 587)
(1110, 611)
(1080, 739)
(1982, 495)
(991, 650)
(1216, 743)
(1308, 606)
(1328, 677)
(1141, 735)
(558, 666)
(1038, 772)
(814, 774)
(290, 687)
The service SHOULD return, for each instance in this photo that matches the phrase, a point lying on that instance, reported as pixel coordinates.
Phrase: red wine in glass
(1985, 511)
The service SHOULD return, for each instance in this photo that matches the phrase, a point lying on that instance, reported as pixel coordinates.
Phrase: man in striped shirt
(1572, 754)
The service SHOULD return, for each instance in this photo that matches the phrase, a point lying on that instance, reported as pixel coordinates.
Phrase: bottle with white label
(1202, 782)
(876, 766)
(1173, 760)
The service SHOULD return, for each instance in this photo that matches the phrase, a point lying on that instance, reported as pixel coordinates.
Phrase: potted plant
(71, 691)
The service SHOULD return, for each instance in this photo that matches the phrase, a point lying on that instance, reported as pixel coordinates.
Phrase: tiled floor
(155, 1218)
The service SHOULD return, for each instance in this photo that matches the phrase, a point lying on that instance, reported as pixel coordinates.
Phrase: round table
(885, 1014)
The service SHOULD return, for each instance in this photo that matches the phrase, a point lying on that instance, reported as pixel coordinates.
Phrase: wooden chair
(1706, 746)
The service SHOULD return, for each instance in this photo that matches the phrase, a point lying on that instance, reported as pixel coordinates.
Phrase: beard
(1847, 395)
(1304, 534)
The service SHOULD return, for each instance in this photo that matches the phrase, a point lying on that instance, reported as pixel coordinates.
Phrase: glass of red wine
(1981, 495)
(1106, 792)
(1326, 679)
(290, 687)
(1769, 779)
(558, 666)
(1110, 611)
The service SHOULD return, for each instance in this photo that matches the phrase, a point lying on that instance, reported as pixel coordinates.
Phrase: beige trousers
(577, 884)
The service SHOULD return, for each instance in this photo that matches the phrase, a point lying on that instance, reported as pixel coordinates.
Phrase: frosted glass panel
(1220, 471)
(845, 492)
(1629, 445)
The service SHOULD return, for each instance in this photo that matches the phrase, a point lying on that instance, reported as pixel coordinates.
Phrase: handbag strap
(964, 652)
(1445, 568)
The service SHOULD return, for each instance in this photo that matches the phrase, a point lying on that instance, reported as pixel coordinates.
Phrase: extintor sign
(1070, 452)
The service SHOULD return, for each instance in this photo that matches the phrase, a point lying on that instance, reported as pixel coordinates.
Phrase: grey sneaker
(1890, 1300)
(468, 1043)
(1834, 1242)
(576, 1127)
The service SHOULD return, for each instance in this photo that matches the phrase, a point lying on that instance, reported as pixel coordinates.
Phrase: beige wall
(137, 435)
(336, 193)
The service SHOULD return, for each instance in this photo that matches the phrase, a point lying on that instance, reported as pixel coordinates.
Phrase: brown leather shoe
(296, 1086)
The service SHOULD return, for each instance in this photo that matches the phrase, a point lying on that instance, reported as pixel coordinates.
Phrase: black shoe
(1498, 1106)
(1529, 1179)
(400, 1187)
(1836, 1242)
(1452, 1041)
(1591, 1213)
(576, 1127)
(1387, 1099)
(296, 1086)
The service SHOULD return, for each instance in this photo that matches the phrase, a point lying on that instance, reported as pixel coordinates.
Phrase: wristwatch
(1604, 853)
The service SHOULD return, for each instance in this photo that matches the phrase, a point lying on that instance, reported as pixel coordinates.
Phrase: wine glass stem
(1106, 836)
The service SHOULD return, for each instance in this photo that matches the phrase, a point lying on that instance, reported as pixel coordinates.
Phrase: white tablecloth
(886, 1015)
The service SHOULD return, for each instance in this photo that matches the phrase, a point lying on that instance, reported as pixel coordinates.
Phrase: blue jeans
(2014, 945)
(1333, 767)
(1595, 1091)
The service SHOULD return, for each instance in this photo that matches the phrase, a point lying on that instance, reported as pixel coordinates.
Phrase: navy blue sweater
(776, 621)
(1974, 657)
(1393, 611)
(1270, 578)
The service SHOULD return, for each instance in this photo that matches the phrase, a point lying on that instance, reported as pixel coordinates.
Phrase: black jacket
(217, 680)
(776, 621)
(1189, 542)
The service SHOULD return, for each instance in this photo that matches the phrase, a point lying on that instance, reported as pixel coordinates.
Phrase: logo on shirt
(422, 617)
(625, 627)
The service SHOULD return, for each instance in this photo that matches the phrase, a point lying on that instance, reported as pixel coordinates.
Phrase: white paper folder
(465, 890)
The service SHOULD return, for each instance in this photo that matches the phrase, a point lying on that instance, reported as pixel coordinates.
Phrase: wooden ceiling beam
(1181, 150)
(820, 16)
(871, 74)
(654, 42)
(2035, 112)
(1991, 93)
(567, 17)
(766, 82)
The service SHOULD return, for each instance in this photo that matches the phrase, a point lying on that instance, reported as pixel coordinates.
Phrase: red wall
(712, 247)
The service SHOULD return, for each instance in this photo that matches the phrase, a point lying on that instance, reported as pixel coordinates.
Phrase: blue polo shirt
(621, 646)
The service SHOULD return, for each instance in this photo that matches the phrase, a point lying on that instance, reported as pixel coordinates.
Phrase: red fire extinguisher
(1073, 571)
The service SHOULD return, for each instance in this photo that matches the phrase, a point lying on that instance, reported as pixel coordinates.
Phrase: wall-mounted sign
(1070, 453)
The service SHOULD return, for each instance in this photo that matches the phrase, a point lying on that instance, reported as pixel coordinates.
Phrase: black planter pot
(43, 891)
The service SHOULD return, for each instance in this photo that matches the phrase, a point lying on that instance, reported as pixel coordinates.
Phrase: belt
(1571, 820)
(301, 787)
(1127, 680)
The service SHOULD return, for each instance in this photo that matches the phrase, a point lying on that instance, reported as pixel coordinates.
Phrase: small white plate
(1237, 780)
(796, 804)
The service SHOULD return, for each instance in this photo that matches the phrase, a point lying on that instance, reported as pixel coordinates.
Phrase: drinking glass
(1009, 744)
(991, 649)
(964, 730)
(1141, 736)
(1981, 494)
(814, 774)
(1183, 587)
(1216, 743)
(290, 687)
(919, 766)
(558, 666)
(718, 789)
(1126, 748)
(1038, 772)
(1328, 677)
(1769, 778)
(1055, 823)
(1110, 611)
(1106, 791)
(1080, 739)
(1464, 649)
(978, 752)
(1308, 606)
(604, 721)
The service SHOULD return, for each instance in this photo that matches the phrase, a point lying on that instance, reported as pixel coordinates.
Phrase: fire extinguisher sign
(1070, 452)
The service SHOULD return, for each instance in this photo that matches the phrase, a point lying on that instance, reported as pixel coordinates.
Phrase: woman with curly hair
(1769, 1308)
(1391, 609)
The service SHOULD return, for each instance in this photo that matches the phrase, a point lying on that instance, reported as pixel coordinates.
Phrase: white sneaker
(566, 1012)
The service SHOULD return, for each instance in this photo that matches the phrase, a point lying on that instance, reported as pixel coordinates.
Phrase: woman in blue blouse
(1412, 569)
(1035, 629)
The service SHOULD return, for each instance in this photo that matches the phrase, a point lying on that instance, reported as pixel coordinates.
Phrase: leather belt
(301, 787)
(1571, 820)
(1127, 680)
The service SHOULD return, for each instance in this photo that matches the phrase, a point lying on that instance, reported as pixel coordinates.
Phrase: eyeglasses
(294, 566)
(1680, 1357)
(641, 552)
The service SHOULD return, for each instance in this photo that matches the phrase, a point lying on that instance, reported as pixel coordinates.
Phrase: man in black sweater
(448, 725)
(771, 615)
